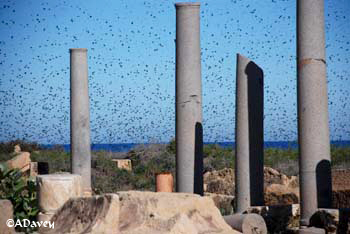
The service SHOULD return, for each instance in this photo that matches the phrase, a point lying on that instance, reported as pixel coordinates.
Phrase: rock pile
(280, 189)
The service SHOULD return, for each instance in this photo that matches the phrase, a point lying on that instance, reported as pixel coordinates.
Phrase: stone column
(80, 117)
(249, 165)
(313, 129)
(188, 93)
(242, 180)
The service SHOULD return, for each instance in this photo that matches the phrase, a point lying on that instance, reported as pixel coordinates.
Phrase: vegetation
(147, 160)
(6, 148)
(22, 194)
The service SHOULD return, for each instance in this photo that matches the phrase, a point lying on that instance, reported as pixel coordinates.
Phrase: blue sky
(131, 56)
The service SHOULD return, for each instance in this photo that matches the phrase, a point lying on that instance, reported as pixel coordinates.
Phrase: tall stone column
(313, 128)
(188, 94)
(249, 165)
(80, 117)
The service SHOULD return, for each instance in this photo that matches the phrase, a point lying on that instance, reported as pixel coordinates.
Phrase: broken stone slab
(21, 161)
(6, 214)
(135, 212)
(97, 214)
(173, 213)
(55, 189)
(247, 223)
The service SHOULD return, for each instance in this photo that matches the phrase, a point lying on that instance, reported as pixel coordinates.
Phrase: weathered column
(242, 179)
(80, 117)
(188, 94)
(313, 129)
(249, 166)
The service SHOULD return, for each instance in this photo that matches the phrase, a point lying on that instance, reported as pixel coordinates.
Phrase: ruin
(164, 182)
(80, 117)
(54, 190)
(249, 165)
(188, 98)
(313, 129)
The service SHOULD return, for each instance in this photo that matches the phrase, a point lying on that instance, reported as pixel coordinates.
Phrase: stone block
(6, 213)
(21, 161)
(55, 189)
(180, 213)
(135, 212)
(98, 214)
(123, 164)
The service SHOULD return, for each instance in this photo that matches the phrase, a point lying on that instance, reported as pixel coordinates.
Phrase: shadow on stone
(324, 184)
(256, 132)
(324, 220)
(344, 221)
(198, 160)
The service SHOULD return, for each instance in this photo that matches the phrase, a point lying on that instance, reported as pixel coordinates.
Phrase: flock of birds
(131, 56)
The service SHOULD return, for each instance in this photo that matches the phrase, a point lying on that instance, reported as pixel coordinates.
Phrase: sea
(125, 147)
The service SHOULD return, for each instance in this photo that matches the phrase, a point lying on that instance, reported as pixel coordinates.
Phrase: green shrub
(171, 147)
(22, 194)
(58, 159)
(217, 158)
(8, 147)
(108, 178)
(340, 156)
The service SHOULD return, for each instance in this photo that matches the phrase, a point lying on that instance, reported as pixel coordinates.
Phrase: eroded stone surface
(98, 214)
(223, 202)
(6, 212)
(280, 189)
(20, 161)
(221, 181)
(123, 164)
(153, 213)
(55, 189)
(135, 212)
